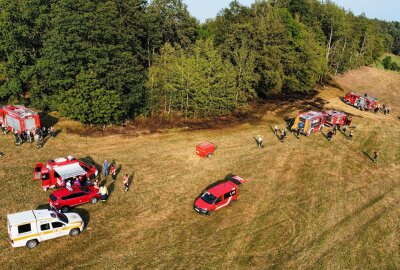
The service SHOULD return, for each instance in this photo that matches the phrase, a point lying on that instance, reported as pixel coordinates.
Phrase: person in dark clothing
(376, 156)
(351, 135)
(329, 135)
(51, 130)
(298, 133)
(17, 138)
(334, 129)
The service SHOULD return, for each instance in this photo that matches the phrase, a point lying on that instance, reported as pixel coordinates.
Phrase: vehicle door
(219, 203)
(46, 179)
(77, 198)
(45, 230)
(86, 196)
(57, 227)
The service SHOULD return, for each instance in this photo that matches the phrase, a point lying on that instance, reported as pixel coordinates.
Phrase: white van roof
(29, 216)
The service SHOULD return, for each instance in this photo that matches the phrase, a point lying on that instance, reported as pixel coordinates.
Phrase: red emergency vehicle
(362, 102)
(309, 122)
(333, 118)
(56, 172)
(19, 117)
(63, 199)
(205, 149)
(218, 196)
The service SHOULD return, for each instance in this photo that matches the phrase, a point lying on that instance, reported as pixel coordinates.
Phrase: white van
(28, 228)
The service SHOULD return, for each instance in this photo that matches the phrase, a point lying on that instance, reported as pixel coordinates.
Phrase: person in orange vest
(113, 172)
(126, 182)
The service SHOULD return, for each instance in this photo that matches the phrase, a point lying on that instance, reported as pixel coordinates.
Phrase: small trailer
(56, 172)
(333, 118)
(362, 102)
(309, 122)
(205, 149)
(19, 118)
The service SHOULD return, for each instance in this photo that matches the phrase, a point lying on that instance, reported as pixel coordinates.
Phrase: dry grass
(310, 203)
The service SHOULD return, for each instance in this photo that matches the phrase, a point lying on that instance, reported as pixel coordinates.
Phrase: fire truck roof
(69, 170)
(311, 114)
(19, 110)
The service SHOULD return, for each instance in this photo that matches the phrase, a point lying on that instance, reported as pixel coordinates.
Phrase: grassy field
(309, 204)
(395, 58)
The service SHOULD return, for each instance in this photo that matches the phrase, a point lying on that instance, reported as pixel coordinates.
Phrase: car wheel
(209, 213)
(32, 243)
(94, 200)
(209, 155)
(74, 232)
(64, 209)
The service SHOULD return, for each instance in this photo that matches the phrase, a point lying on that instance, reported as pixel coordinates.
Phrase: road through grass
(310, 203)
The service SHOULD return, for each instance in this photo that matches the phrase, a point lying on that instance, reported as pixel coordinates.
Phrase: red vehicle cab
(63, 199)
(56, 172)
(333, 118)
(309, 122)
(205, 149)
(19, 117)
(218, 196)
(361, 102)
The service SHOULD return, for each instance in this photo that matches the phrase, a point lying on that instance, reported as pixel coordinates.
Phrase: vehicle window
(85, 190)
(45, 176)
(56, 175)
(45, 227)
(24, 228)
(208, 198)
(52, 197)
(73, 196)
(218, 200)
(229, 194)
(62, 217)
(56, 224)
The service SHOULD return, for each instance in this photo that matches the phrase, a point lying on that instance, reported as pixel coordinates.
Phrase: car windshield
(52, 197)
(208, 198)
(62, 217)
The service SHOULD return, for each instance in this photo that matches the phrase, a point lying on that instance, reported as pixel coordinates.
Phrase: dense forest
(104, 61)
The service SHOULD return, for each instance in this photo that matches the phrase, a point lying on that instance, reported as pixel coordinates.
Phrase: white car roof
(28, 216)
(69, 170)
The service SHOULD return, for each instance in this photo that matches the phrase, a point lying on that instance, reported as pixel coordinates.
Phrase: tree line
(104, 61)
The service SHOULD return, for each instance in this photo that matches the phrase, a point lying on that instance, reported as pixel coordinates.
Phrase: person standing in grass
(103, 193)
(351, 135)
(259, 141)
(126, 182)
(376, 156)
(276, 129)
(51, 130)
(105, 168)
(113, 172)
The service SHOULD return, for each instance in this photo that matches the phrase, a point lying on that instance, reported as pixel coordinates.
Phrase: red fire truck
(56, 172)
(333, 118)
(361, 102)
(309, 122)
(19, 117)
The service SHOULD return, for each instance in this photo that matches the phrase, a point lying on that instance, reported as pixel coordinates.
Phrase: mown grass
(310, 203)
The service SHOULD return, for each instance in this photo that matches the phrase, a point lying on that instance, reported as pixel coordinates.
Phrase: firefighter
(351, 135)
(329, 135)
(51, 130)
(105, 168)
(113, 172)
(37, 140)
(376, 156)
(103, 193)
(259, 141)
(16, 136)
(276, 129)
(126, 182)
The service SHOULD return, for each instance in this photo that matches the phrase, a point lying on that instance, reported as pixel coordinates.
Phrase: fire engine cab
(361, 102)
(309, 122)
(56, 172)
(19, 117)
(218, 196)
(333, 118)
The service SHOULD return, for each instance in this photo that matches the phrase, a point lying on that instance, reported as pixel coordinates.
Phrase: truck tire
(32, 243)
(94, 200)
(74, 232)
(64, 209)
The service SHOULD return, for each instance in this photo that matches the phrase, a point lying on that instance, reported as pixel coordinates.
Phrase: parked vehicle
(309, 122)
(63, 199)
(19, 118)
(362, 102)
(28, 228)
(218, 196)
(205, 149)
(55, 172)
(333, 118)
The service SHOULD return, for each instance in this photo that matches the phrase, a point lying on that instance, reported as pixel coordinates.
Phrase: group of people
(78, 181)
(282, 134)
(385, 109)
(35, 134)
(332, 132)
